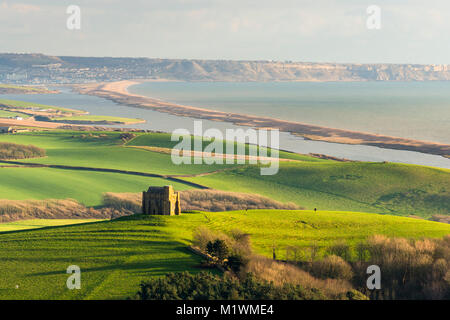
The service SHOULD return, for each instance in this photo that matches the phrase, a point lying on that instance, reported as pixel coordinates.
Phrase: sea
(416, 110)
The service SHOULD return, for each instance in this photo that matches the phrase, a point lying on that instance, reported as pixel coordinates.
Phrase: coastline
(117, 92)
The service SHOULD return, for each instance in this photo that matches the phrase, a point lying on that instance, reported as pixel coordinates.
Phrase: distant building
(161, 201)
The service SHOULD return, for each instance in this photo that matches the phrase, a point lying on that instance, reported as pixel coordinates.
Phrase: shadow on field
(54, 227)
(150, 263)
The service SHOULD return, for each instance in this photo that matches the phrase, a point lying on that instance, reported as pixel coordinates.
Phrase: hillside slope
(115, 256)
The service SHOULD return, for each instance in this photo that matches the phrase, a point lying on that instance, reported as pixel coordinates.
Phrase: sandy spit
(117, 92)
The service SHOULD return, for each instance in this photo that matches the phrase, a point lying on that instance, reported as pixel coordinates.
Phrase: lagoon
(167, 123)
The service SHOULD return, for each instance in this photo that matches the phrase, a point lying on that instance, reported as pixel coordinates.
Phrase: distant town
(44, 69)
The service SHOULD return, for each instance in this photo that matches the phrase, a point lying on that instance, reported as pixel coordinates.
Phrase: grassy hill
(114, 256)
(357, 186)
(102, 150)
(85, 186)
(309, 182)
(40, 223)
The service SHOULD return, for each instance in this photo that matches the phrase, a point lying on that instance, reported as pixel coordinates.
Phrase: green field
(85, 186)
(30, 105)
(80, 149)
(358, 186)
(163, 140)
(40, 223)
(309, 182)
(8, 114)
(114, 256)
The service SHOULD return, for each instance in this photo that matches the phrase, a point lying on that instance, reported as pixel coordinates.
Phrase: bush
(333, 267)
(12, 210)
(411, 269)
(235, 263)
(206, 286)
(12, 151)
(216, 200)
(127, 201)
(341, 249)
(202, 236)
(204, 200)
(218, 249)
(280, 274)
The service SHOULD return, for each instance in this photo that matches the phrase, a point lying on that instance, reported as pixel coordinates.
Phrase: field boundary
(135, 173)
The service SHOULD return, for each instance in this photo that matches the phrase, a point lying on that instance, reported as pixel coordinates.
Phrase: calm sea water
(416, 110)
(168, 123)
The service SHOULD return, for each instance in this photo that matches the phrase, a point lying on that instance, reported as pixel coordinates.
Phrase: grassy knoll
(115, 256)
(358, 186)
(40, 223)
(163, 140)
(282, 228)
(102, 150)
(84, 186)
(310, 183)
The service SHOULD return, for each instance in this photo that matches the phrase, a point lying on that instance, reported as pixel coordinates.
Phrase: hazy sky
(412, 31)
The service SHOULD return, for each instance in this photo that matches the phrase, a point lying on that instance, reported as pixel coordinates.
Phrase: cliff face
(295, 71)
(38, 65)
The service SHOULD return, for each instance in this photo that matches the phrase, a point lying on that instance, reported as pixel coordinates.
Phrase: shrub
(216, 200)
(235, 263)
(280, 274)
(202, 200)
(333, 267)
(218, 249)
(206, 286)
(411, 269)
(11, 210)
(341, 249)
(202, 236)
(127, 201)
(12, 151)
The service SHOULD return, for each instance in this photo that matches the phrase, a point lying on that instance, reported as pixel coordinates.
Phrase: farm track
(175, 178)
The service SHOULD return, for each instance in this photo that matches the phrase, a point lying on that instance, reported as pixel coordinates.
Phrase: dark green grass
(163, 140)
(114, 256)
(84, 186)
(311, 183)
(102, 150)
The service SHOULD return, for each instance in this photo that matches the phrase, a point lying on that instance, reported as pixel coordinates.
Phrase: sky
(412, 31)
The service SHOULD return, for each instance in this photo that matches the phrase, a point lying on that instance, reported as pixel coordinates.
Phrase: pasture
(388, 188)
(115, 256)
